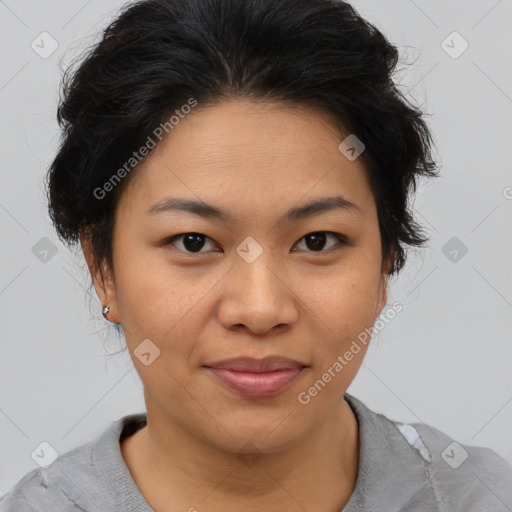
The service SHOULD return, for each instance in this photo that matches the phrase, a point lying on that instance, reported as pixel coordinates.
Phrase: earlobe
(102, 280)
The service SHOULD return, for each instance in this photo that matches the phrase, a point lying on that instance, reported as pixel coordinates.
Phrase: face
(254, 283)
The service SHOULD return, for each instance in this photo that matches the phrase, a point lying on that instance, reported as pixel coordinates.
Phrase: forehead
(242, 153)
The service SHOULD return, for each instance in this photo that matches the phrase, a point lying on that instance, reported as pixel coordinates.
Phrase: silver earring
(105, 311)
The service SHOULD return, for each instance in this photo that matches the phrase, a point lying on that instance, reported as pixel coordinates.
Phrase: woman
(237, 174)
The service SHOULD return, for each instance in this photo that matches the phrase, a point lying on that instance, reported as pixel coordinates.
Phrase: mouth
(251, 377)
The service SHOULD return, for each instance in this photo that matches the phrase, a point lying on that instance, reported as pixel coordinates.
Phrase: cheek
(345, 302)
(155, 306)
(343, 314)
(148, 299)
(163, 303)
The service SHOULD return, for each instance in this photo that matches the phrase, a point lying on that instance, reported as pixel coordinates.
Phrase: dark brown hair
(157, 54)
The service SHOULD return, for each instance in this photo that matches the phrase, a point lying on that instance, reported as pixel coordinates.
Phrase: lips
(252, 377)
(250, 364)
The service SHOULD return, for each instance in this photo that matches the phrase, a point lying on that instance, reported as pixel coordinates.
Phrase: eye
(316, 241)
(192, 242)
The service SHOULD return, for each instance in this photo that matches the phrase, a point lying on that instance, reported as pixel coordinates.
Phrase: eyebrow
(206, 210)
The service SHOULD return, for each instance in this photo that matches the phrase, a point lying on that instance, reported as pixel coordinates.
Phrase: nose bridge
(256, 295)
(258, 266)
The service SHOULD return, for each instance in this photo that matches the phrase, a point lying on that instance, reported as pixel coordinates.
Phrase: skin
(255, 160)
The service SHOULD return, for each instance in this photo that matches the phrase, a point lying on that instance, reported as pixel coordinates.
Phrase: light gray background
(444, 360)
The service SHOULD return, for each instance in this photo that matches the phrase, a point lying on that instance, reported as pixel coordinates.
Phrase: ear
(102, 278)
(387, 264)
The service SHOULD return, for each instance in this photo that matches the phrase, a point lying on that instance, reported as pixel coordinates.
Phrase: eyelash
(341, 239)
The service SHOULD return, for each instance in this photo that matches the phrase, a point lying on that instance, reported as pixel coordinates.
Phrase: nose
(257, 297)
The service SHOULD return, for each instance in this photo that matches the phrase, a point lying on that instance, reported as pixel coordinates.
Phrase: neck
(174, 469)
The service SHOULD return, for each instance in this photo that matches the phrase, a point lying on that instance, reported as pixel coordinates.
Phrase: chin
(258, 436)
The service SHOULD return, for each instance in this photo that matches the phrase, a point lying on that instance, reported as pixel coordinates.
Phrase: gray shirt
(402, 468)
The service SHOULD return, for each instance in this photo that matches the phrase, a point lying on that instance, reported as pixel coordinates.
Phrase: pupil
(193, 242)
(318, 241)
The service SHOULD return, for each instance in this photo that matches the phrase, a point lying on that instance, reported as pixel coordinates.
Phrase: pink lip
(256, 383)
(256, 377)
